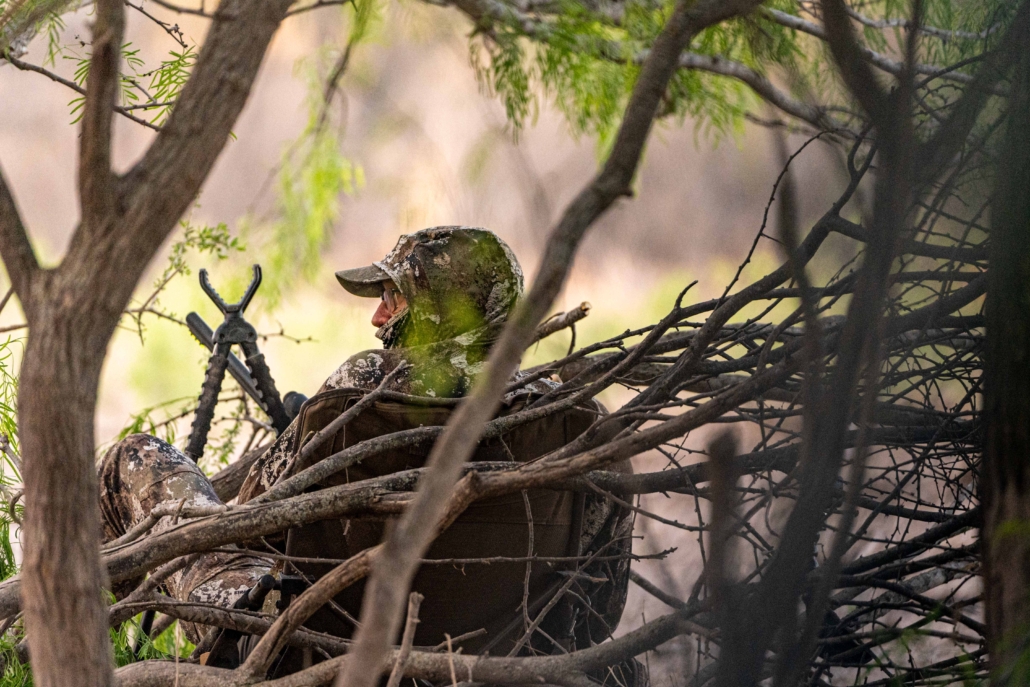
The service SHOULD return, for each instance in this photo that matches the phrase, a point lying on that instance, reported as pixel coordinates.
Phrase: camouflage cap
(363, 281)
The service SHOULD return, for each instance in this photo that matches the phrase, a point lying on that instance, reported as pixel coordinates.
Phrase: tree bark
(72, 311)
(1006, 469)
(65, 613)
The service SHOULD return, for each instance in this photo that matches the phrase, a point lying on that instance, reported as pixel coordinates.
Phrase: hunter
(445, 293)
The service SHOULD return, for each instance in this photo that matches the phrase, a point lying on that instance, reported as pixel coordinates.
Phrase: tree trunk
(72, 311)
(1006, 468)
(65, 609)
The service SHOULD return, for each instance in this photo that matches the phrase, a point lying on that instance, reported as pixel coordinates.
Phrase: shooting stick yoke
(234, 331)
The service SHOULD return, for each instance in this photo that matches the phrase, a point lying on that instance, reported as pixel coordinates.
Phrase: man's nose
(382, 315)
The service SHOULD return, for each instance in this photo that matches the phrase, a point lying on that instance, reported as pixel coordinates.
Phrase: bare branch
(185, 10)
(881, 62)
(561, 321)
(952, 134)
(943, 34)
(19, 258)
(569, 669)
(96, 179)
(335, 581)
(813, 114)
(853, 69)
(123, 111)
(414, 601)
(302, 608)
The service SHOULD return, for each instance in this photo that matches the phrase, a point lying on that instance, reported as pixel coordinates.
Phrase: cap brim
(363, 281)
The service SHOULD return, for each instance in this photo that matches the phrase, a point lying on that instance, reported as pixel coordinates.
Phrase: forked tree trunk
(72, 311)
(1006, 468)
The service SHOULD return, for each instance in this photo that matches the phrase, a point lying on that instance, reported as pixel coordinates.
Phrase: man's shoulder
(364, 370)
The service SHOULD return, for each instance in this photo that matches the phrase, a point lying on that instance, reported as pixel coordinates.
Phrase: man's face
(392, 302)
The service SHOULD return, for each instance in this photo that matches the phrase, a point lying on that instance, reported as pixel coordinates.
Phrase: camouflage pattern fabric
(141, 472)
(607, 533)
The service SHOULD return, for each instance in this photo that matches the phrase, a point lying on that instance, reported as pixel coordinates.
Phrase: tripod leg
(144, 632)
(270, 400)
(208, 400)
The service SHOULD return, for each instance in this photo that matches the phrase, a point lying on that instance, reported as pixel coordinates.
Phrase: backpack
(459, 597)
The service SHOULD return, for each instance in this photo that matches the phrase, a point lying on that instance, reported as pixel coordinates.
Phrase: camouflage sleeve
(141, 472)
(267, 469)
(607, 531)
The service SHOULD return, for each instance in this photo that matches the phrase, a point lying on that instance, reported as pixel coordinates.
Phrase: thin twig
(25, 66)
(414, 601)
